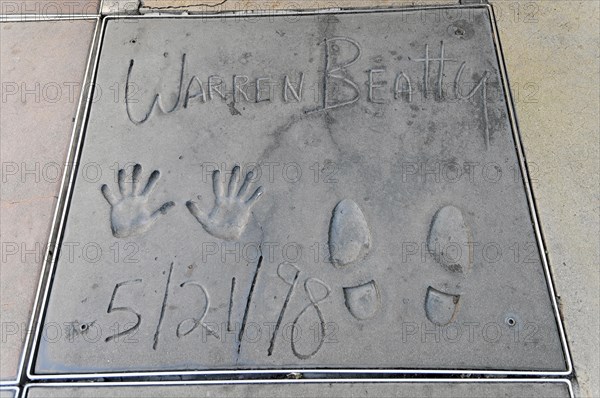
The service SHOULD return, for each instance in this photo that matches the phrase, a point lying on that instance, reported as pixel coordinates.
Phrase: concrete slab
(43, 9)
(42, 70)
(343, 389)
(312, 245)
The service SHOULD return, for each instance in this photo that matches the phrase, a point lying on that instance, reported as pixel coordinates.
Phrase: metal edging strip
(48, 18)
(314, 371)
(312, 381)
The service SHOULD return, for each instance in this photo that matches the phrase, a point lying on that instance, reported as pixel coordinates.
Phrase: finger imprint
(108, 195)
(135, 185)
(217, 188)
(233, 181)
(122, 184)
(255, 196)
(244, 186)
(152, 180)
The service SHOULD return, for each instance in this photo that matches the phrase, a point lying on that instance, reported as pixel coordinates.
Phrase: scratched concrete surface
(288, 390)
(42, 68)
(42, 8)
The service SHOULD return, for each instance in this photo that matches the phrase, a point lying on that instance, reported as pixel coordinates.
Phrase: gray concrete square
(315, 192)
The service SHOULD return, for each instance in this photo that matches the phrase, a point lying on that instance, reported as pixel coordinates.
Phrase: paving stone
(386, 389)
(8, 392)
(42, 69)
(374, 227)
(43, 9)
(561, 132)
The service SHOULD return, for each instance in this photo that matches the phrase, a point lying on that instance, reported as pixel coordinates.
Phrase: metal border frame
(4, 18)
(14, 389)
(52, 238)
(336, 374)
(309, 381)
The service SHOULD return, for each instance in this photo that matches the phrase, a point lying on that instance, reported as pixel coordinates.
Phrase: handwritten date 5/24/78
(318, 332)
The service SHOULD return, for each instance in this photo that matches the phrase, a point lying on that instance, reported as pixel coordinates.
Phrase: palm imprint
(230, 213)
(129, 214)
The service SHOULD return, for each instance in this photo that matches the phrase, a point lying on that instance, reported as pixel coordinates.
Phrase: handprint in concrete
(231, 211)
(129, 211)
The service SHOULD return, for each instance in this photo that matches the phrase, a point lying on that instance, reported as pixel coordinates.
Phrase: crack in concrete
(9, 203)
(183, 6)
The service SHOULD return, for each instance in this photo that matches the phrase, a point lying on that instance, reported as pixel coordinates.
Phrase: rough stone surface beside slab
(196, 272)
(194, 6)
(42, 70)
(43, 9)
(391, 389)
(120, 7)
(554, 74)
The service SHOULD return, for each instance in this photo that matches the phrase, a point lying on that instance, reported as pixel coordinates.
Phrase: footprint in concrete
(129, 213)
(349, 235)
(231, 211)
(362, 301)
(441, 308)
(449, 236)
(350, 242)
